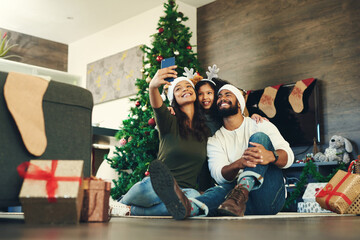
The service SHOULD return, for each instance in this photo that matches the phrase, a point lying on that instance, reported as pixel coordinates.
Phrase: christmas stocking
(23, 95)
(296, 95)
(267, 100)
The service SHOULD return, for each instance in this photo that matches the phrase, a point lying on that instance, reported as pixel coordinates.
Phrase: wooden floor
(319, 228)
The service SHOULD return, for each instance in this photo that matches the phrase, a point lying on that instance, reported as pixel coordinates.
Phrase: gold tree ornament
(197, 78)
(315, 148)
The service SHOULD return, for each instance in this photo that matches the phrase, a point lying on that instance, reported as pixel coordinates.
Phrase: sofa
(67, 115)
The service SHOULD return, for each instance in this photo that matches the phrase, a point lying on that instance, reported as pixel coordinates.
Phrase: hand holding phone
(167, 62)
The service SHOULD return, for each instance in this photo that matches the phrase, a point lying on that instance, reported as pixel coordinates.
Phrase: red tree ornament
(137, 103)
(123, 141)
(159, 58)
(189, 47)
(161, 30)
(152, 122)
(147, 173)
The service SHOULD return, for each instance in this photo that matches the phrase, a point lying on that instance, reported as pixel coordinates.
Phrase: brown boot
(235, 203)
(166, 187)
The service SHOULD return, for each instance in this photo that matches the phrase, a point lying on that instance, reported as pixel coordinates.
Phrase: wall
(120, 37)
(37, 51)
(268, 42)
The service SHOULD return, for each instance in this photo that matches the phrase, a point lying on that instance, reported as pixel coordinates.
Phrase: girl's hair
(219, 83)
(213, 112)
(199, 129)
(212, 109)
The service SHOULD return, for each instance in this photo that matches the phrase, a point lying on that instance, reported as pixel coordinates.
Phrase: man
(245, 159)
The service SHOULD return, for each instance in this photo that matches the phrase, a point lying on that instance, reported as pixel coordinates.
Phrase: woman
(183, 140)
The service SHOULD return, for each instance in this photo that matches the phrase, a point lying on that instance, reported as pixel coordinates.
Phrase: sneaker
(119, 209)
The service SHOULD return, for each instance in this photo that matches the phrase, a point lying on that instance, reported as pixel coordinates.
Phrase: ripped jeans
(144, 201)
(267, 196)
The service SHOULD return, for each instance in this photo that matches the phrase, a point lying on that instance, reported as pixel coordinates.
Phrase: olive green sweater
(184, 157)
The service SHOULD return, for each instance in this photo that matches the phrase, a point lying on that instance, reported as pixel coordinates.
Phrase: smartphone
(167, 62)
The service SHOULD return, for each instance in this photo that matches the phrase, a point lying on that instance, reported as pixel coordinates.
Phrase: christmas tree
(138, 135)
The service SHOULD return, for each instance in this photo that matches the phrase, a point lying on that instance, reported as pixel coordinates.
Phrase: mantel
(56, 75)
(104, 131)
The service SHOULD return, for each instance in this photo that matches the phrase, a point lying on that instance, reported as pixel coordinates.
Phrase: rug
(279, 215)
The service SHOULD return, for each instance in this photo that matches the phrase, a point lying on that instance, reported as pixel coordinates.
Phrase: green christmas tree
(138, 135)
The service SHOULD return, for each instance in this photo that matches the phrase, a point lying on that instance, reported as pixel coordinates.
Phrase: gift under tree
(138, 136)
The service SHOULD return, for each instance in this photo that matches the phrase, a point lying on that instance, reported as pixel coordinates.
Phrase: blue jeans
(266, 198)
(144, 201)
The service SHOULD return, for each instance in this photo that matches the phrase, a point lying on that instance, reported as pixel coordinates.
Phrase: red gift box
(96, 200)
(340, 193)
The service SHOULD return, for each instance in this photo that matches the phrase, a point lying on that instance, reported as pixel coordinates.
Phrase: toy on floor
(338, 150)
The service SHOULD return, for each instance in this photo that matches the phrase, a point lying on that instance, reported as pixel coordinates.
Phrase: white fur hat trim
(237, 94)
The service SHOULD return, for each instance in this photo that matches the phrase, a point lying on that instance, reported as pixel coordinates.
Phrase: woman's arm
(158, 80)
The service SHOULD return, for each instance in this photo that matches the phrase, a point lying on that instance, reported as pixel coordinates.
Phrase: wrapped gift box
(96, 200)
(51, 192)
(354, 207)
(341, 191)
(310, 207)
(311, 190)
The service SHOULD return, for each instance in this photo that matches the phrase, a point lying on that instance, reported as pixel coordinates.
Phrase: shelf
(298, 165)
(65, 77)
(104, 131)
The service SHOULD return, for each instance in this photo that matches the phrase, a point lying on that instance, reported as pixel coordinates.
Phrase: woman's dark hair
(199, 128)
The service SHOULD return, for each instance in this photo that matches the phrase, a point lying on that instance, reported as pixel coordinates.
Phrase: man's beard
(227, 112)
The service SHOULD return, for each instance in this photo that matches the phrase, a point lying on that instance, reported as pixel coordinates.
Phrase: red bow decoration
(329, 191)
(39, 174)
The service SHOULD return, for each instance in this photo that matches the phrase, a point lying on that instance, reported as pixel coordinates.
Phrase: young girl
(183, 140)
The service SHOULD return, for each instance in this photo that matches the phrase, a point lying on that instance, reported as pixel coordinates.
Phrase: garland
(309, 171)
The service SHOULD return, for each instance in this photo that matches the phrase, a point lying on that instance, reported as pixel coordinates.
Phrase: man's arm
(220, 167)
(258, 152)
(229, 172)
(282, 147)
(217, 159)
(251, 157)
